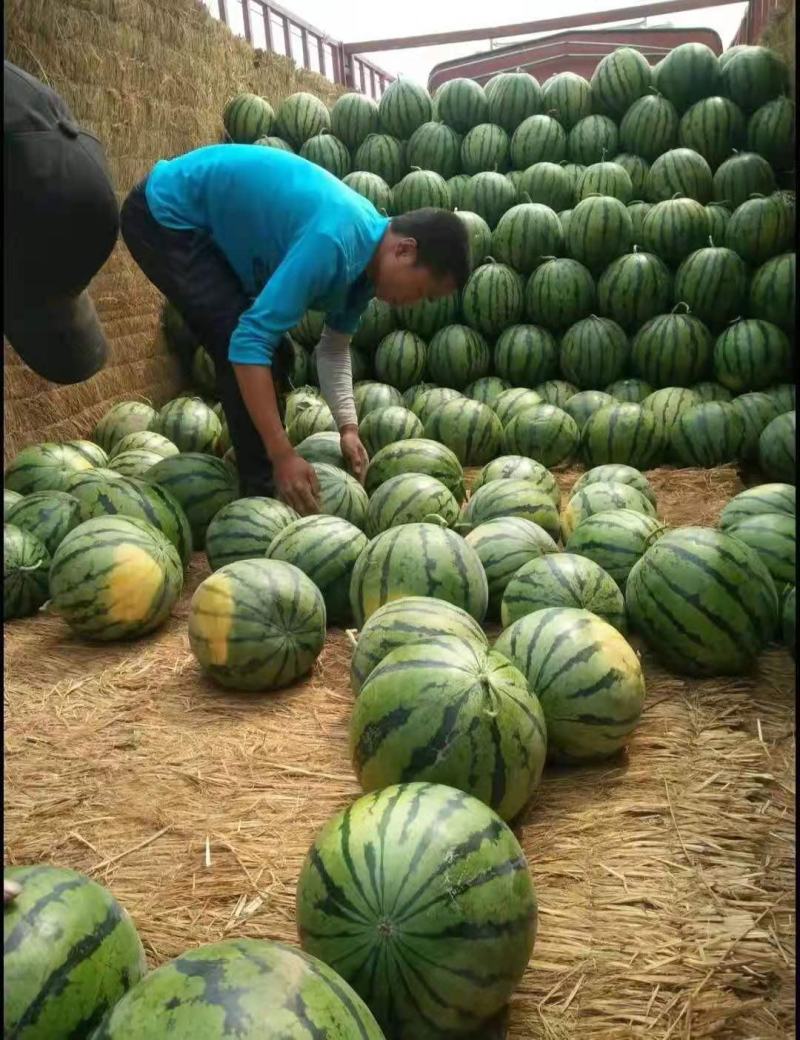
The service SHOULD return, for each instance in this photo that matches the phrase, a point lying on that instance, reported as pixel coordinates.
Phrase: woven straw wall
(150, 78)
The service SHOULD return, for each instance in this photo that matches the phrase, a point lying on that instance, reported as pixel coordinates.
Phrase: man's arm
(334, 370)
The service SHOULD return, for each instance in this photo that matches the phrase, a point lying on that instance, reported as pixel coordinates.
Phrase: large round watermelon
(416, 455)
(545, 433)
(672, 350)
(667, 405)
(428, 316)
(753, 76)
(624, 433)
(493, 299)
(750, 355)
(400, 359)
(759, 229)
(714, 127)
(488, 195)
(458, 355)
(707, 434)
(301, 116)
(353, 117)
(539, 138)
(675, 227)
(559, 293)
(741, 176)
(594, 352)
(649, 127)
(525, 235)
(244, 529)
(713, 282)
(49, 515)
(600, 230)
(461, 103)
(143, 440)
(599, 497)
(526, 355)
(340, 494)
(615, 539)
(687, 73)
(381, 154)
(549, 184)
(410, 498)
(567, 97)
(618, 474)
(123, 417)
(44, 467)
(773, 537)
(634, 288)
(511, 403)
(772, 292)
(512, 97)
(470, 429)
(436, 147)
(404, 106)
(387, 425)
(755, 410)
(246, 117)
(518, 467)
(505, 544)
(420, 189)
(591, 139)
(509, 498)
(202, 485)
(487, 389)
(372, 187)
(605, 178)
(370, 396)
(26, 566)
(619, 79)
(777, 448)
(756, 501)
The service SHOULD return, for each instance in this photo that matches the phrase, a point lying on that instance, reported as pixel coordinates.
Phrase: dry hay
(665, 878)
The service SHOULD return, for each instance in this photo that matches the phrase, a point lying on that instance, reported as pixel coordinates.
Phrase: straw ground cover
(665, 878)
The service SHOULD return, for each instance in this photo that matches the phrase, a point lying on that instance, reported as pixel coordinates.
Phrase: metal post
(304, 41)
(248, 33)
(268, 28)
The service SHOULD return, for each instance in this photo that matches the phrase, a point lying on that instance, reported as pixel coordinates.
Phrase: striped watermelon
(750, 355)
(680, 171)
(416, 456)
(274, 142)
(92, 452)
(789, 620)
(179, 337)
(308, 331)
(599, 497)
(634, 288)
(10, 499)
(410, 498)
(759, 229)
(525, 235)
(462, 104)
(485, 147)
(650, 127)
(204, 373)
(619, 79)
(605, 178)
(713, 283)
(247, 117)
(512, 402)
(518, 467)
(741, 176)
(512, 97)
(629, 391)
(329, 152)
(353, 118)
(89, 478)
(404, 622)
(488, 195)
(594, 352)
(783, 395)
(445, 845)
(372, 187)
(755, 410)
(667, 405)
(256, 624)
(49, 515)
(189, 424)
(418, 560)
(559, 293)
(409, 396)
(325, 549)
(115, 577)
(135, 463)
(377, 321)
(373, 397)
(314, 417)
(495, 744)
(674, 228)
(492, 299)
(591, 140)
(323, 447)
(388, 425)
(544, 433)
(777, 450)
(757, 501)
(201, 484)
(457, 184)
(556, 391)
(686, 74)
(714, 127)
(244, 529)
(470, 429)
(147, 440)
(300, 117)
(504, 545)
(590, 680)
(420, 189)
(249, 981)
(708, 390)
(341, 495)
(617, 474)
(771, 132)
(26, 565)
(638, 211)
(615, 539)
(480, 236)
(436, 147)
(703, 601)
(708, 434)
(772, 292)
(44, 467)
(538, 138)
(432, 398)
(457, 355)
(754, 76)
(400, 359)
(71, 952)
(526, 355)
(718, 217)
(624, 433)
(637, 169)
(383, 155)
(487, 389)
(404, 106)
(548, 184)
(586, 403)
(501, 499)
(573, 171)
(599, 231)
(567, 97)
(772, 536)
(672, 350)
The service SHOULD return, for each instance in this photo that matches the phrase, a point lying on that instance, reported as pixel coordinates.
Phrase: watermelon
(44, 467)
(772, 537)
(590, 680)
(672, 350)
(718, 217)
(89, 478)
(458, 355)
(755, 410)
(410, 498)
(614, 540)
(556, 392)
(442, 846)
(10, 499)
(505, 544)
(300, 117)
(594, 352)
(49, 515)
(707, 434)
(674, 228)
(436, 147)
(341, 495)
(525, 235)
(386, 425)
(400, 359)
(600, 230)
(189, 424)
(247, 117)
(789, 620)
(518, 467)
(512, 97)
(567, 97)
(559, 293)
(584, 404)
(650, 127)
(772, 292)
(376, 322)
(446, 568)
(617, 474)
(256, 624)
(372, 187)
(754, 76)
(634, 288)
(667, 405)
(708, 390)
(496, 740)
(487, 389)
(373, 397)
(329, 152)
(619, 79)
(180, 338)
(244, 529)
(353, 118)
(381, 154)
(759, 229)
(548, 184)
(526, 355)
(599, 497)
(501, 499)
(686, 74)
(420, 189)
(629, 391)
(638, 211)
(758, 501)
(71, 952)
(714, 127)
(457, 184)
(751, 355)
(201, 484)
(115, 577)
(680, 171)
(713, 283)
(539, 138)
(145, 440)
(777, 448)
(544, 433)
(480, 237)
(315, 417)
(432, 398)
(592, 139)
(462, 104)
(783, 396)
(488, 195)
(492, 299)
(92, 452)
(416, 456)
(323, 447)
(470, 429)
(605, 178)
(266, 987)
(26, 564)
(404, 106)
(622, 433)
(325, 548)
(741, 176)
(771, 133)
(274, 142)
(512, 402)
(135, 463)
(308, 331)
(637, 169)
(485, 147)
(703, 601)
(403, 622)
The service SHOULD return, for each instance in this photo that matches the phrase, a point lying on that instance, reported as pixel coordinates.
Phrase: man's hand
(11, 889)
(354, 452)
(297, 483)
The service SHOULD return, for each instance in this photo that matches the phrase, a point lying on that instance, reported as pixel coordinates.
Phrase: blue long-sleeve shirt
(297, 237)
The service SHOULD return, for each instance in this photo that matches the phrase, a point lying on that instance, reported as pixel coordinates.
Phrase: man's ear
(407, 249)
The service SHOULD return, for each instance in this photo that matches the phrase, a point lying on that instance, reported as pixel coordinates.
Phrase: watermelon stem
(351, 634)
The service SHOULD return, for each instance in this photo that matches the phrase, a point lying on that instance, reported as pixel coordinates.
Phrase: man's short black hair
(442, 242)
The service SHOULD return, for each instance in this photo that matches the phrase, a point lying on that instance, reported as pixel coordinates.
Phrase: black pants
(196, 278)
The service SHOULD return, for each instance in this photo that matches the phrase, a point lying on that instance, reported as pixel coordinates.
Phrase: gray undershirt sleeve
(335, 375)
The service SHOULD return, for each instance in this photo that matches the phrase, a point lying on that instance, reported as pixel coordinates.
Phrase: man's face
(401, 281)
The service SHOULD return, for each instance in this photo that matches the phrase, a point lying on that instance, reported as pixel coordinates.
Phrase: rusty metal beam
(575, 21)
